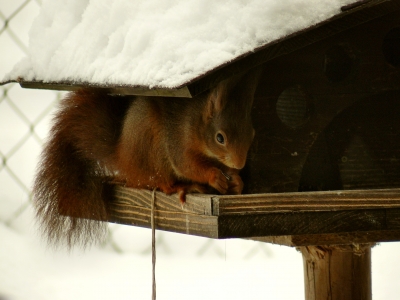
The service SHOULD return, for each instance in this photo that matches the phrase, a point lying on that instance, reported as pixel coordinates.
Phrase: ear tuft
(243, 84)
(217, 98)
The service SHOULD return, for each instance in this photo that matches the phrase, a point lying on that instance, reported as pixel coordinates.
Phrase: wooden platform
(293, 219)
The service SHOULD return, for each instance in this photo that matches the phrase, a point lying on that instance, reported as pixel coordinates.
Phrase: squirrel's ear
(216, 99)
(242, 84)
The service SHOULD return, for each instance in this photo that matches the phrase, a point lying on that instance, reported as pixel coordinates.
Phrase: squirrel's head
(230, 132)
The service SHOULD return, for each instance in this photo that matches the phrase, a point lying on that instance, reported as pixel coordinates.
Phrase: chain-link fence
(25, 117)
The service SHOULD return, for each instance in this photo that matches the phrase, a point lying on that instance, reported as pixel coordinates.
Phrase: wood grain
(337, 272)
(286, 214)
(343, 238)
(133, 207)
(322, 222)
(306, 201)
(180, 222)
(112, 89)
(195, 203)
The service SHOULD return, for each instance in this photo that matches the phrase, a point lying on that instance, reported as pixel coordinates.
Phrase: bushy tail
(70, 190)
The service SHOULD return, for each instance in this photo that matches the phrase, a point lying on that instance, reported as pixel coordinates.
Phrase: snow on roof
(153, 43)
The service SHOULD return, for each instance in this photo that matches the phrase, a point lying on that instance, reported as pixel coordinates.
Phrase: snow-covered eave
(112, 89)
(351, 16)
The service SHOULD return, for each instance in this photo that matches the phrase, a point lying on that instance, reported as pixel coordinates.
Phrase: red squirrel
(175, 145)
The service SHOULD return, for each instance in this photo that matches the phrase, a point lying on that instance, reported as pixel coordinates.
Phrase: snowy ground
(187, 267)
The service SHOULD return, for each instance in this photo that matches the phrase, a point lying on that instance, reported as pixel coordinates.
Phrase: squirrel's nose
(237, 162)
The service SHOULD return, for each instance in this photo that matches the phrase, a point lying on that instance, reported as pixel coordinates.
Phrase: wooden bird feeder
(323, 173)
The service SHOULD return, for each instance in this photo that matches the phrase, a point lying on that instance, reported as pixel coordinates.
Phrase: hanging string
(153, 245)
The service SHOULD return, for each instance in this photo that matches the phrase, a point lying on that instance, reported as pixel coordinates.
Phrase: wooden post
(340, 272)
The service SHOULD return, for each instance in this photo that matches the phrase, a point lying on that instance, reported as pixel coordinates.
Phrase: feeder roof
(157, 44)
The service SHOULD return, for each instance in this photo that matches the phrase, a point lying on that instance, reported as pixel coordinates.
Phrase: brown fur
(167, 144)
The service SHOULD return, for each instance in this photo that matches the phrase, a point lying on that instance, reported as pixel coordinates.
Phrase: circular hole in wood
(391, 47)
(293, 107)
(338, 63)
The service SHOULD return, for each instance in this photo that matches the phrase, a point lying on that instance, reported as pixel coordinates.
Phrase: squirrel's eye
(220, 138)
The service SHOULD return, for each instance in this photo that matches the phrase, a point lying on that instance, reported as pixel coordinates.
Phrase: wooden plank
(179, 222)
(306, 201)
(306, 217)
(307, 222)
(112, 89)
(310, 157)
(128, 199)
(354, 5)
(343, 238)
(133, 207)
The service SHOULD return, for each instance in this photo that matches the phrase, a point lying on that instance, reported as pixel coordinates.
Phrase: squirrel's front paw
(219, 181)
(235, 184)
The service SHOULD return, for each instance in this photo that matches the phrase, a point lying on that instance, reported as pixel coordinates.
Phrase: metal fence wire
(25, 118)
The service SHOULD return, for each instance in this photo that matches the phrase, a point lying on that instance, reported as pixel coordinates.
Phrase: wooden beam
(320, 222)
(311, 215)
(337, 272)
(133, 207)
(129, 199)
(343, 238)
(306, 201)
(111, 89)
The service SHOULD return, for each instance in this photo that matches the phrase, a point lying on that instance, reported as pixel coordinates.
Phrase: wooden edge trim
(195, 203)
(173, 221)
(182, 92)
(343, 238)
(306, 201)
